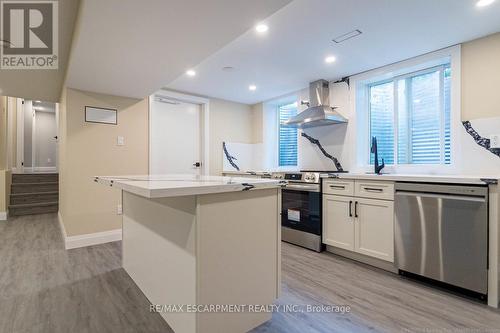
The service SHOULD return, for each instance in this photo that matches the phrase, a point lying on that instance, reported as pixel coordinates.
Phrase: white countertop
(159, 186)
(456, 179)
(250, 173)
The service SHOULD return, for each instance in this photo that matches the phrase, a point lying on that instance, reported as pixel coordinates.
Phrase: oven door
(301, 207)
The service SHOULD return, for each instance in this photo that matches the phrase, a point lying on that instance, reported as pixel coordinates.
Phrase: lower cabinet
(361, 225)
(338, 229)
(374, 228)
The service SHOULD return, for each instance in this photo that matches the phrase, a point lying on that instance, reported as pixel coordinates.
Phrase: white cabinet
(363, 224)
(374, 228)
(339, 230)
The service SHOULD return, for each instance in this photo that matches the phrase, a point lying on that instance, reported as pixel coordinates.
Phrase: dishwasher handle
(442, 196)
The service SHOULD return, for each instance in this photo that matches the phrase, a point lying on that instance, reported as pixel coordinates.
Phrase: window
(410, 116)
(287, 137)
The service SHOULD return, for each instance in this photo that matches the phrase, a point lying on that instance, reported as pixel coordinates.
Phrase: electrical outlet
(119, 210)
(120, 141)
(495, 141)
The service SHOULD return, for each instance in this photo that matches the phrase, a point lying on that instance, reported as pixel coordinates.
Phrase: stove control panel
(311, 177)
(301, 177)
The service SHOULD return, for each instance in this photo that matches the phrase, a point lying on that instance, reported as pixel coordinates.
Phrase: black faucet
(374, 150)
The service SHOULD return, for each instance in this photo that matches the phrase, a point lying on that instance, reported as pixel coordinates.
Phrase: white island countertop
(423, 178)
(173, 185)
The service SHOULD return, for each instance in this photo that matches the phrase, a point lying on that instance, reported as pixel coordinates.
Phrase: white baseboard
(73, 242)
(3, 216)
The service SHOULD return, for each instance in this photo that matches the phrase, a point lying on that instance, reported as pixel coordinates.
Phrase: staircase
(35, 193)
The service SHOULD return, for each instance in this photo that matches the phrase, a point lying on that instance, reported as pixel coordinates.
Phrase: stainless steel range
(301, 208)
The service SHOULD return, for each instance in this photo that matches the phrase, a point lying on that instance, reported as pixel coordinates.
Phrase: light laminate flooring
(44, 288)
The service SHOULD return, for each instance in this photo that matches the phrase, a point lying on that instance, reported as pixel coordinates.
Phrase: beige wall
(231, 122)
(88, 149)
(257, 122)
(3, 132)
(481, 78)
(5, 180)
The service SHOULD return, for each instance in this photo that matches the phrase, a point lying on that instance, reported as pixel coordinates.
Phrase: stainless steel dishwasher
(441, 232)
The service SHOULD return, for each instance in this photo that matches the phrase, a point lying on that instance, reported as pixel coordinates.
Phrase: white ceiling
(292, 52)
(132, 48)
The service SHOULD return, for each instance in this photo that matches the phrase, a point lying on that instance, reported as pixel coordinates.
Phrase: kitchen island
(203, 249)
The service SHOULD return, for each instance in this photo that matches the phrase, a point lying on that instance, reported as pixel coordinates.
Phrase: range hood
(319, 113)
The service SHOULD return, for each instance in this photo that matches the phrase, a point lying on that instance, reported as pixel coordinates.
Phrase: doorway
(178, 134)
(36, 136)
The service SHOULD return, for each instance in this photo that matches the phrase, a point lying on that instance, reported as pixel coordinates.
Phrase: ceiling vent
(347, 36)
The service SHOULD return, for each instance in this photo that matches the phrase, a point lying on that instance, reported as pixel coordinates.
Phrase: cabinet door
(338, 221)
(374, 228)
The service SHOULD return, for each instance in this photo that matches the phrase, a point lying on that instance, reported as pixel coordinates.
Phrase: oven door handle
(299, 187)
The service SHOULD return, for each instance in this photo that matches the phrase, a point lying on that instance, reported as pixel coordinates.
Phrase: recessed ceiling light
(252, 87)
(191, 72)
(484, 3)
(38, 101)
(330, 59)
(261, 28)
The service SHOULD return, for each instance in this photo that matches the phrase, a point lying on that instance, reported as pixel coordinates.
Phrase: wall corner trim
(73, 242)
(3, 216)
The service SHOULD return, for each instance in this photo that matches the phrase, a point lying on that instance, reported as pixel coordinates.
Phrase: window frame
(406, 77)
(278, 110)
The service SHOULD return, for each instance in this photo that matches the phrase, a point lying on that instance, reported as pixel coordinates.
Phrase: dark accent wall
(483, 142)
(230, 158)
(317, 143)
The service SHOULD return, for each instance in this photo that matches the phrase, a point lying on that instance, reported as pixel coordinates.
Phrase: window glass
(287, 138)
(417, 108)
(382, 120)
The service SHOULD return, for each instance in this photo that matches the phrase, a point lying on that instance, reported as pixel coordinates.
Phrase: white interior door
(175, 137)
(44, 147)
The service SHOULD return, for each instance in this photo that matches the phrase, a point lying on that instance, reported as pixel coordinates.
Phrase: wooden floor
(44, 288)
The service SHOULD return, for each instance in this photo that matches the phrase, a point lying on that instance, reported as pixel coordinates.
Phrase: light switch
(120, 141)
(495, 141)
(119, 210)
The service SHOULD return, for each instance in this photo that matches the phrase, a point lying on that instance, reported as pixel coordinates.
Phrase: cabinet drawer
(374, 190)
(338, 186)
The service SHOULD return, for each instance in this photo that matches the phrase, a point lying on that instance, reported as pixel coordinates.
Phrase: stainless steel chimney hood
(320, 113)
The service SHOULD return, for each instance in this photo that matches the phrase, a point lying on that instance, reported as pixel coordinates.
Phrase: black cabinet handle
(371, 189)
(350, 208)
(356, 209)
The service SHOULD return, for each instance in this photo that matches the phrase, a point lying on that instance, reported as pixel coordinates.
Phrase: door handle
(337, 187)
(356, 209)
(350, 208)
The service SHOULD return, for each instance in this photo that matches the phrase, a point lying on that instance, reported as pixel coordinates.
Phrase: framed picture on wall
(101, 115)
